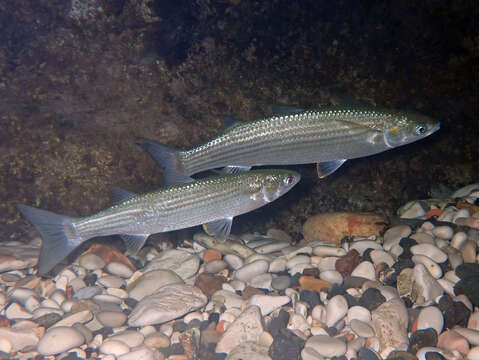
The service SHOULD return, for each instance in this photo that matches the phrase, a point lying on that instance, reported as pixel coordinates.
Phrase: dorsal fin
(118, 194)
(227, 123)
(283, 110)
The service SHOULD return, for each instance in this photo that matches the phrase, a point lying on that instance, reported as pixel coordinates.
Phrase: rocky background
(81, 79)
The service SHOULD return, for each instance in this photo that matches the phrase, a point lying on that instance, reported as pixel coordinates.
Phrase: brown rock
(332, 227)
(4, 322)
(313, 272)
(209, 283)
(109, 254)
(346, 263)
(310, 283)
(250, 291)
(210, 255)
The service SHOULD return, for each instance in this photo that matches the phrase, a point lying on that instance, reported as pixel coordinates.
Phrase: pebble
(215, 266)
(451, 340)
(430, 317)
(157, 340)
(358, 313)
(365, 270)
(184, 264)
(112, 347)
(78, 317)
(119, 269)
(170, 302)
(143, 353)
(267, 303)
(247, 327)
(249, 271)
(91, 261)
(336, 309)
(331, 276)
(281, 282)
(310, 283)
(59, 339)
(111, 319)
(16, 255)
(393, 235)
(430, 251)
(443, 232)
(234, 261)
(433, 268)
(151, 282)
(249, 350)
(20, 338)
(271, 248)
(326, 346)
(361, 328)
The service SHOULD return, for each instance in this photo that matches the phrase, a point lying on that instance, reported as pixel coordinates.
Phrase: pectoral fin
(219, 228)
(327, 168)
(134, 243)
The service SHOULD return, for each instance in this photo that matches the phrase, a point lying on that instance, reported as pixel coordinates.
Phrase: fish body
(328, 137)
(212, 201)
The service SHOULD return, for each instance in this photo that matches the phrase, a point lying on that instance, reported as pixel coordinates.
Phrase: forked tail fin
(167, 158)
(59, 237)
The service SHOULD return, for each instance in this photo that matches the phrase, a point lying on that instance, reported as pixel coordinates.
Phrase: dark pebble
(371, 299)
(367, 354)
(432, 355)
(48, 320)
(446, 305)
(467, 270)
(336, 290)
(214, 317)
(314, 272)
(208, 352)
(105, 331)
(72, 356)
(468, 286)
(90, 279)
(89, 351)
(278, 323)
(353, 282)
(295, 279)
(406, 243)
(422, 338)
(351, 300)
(286, 346)
(403, 264)
(195, 323)
(173, 349)
(367, 255)
(179, 326)
(407, 301)
(311, 297)
(401, 355)
(342, 357)
(204, 324)
(461, 313)
(131, 302)
(332, 331)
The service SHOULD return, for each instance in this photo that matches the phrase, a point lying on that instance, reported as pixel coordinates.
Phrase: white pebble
(91, 261)
(393, 235)
(473, 353)
(358, 313)
(331, 276)
(362, 245)
(433, 268)
(362, 328)
(443, 232)
(471, 335)
(249, 271)
(267, 303)
(430, 317)
(324, 250)
(423, 238)
(111, 318)
(327, 263)
(298, 259)
(319, 313)
(119, 269)
(130, 338)
(277, 265)
(326, 345)
(113, 347)
(366, 270)
(381, 256)
(59, 339)
(429, 250)
(462, 213)
(336, 309)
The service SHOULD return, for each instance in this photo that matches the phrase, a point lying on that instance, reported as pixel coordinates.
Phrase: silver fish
(328, 137)
(212, 201)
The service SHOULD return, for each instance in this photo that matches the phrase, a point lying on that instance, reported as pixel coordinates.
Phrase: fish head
(403, 127)
(271, 184)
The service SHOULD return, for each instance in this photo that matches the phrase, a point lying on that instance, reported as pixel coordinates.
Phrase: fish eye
(289, 180)
(420, 130)
(270, 186)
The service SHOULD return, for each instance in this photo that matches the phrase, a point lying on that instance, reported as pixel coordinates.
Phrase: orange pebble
(210, 255)
(221, 326)
(414, 326)
(433, 212)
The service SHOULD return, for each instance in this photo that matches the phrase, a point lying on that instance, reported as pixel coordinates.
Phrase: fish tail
(168, 158)
(59, 236)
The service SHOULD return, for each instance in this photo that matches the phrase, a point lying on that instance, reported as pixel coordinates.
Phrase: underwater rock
(332, 227)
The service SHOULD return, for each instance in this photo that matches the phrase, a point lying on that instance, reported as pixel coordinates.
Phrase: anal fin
(134, 243)
(327, 168)
(219, 228)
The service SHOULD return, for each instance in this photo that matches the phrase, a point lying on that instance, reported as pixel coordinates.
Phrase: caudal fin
(168, 159)
(59, 237)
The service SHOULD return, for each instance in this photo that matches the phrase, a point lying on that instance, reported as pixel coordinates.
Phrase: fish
(328, 136)
(211, 202)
